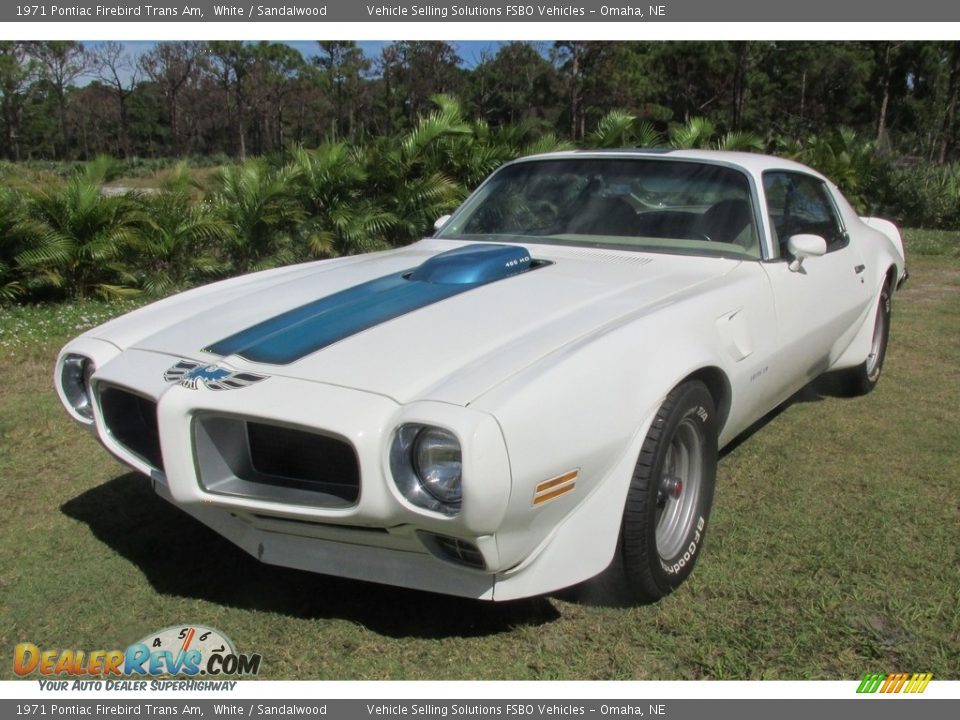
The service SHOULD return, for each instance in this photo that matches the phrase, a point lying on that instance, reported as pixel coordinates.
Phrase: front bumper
(375, 534)
(392, 556)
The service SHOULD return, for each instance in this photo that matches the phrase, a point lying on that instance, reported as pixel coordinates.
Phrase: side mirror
(804, 246)
(440, 222)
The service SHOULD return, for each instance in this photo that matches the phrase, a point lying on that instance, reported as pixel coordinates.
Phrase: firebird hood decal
(190, 374)
(292, 335)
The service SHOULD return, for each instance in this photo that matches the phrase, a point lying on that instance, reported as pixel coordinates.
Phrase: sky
(470, 51)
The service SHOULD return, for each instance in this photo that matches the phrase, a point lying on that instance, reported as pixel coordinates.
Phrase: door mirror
(804, 246)
(440, 222)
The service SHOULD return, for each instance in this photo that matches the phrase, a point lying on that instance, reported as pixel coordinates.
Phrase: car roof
(754, 163)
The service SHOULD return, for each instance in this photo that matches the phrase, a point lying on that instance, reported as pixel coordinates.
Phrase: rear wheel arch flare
(891, 278)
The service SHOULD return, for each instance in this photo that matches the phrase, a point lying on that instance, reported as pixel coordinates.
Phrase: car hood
(443, 345)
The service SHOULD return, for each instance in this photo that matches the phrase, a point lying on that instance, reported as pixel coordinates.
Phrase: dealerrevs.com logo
(179, 650)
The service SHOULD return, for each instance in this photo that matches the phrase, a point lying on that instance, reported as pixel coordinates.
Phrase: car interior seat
(604, 215)
(730, 221)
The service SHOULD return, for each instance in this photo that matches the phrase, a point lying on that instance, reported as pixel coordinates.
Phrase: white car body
(548, 379)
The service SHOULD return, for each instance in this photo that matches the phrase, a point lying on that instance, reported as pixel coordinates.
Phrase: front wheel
(671, 492)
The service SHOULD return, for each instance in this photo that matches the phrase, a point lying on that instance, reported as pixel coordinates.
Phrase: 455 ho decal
(189, 650)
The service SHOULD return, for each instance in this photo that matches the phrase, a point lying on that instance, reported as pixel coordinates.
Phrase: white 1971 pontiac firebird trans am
(533, 394)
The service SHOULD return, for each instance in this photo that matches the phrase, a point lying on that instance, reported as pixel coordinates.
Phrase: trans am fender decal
(299, 332)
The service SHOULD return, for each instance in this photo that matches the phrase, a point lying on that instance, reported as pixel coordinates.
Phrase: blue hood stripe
(292, 335)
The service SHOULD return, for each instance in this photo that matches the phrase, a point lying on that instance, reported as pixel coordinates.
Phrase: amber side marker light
(555, 487)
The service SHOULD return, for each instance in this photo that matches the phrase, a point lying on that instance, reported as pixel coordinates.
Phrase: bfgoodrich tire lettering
(668, 505)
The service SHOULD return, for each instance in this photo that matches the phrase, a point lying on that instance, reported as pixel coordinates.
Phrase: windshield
(634, 204)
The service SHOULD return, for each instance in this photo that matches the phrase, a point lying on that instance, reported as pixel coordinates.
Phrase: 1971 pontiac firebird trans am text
(531, 396)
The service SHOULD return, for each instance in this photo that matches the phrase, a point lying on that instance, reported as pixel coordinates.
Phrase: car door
(819, 302)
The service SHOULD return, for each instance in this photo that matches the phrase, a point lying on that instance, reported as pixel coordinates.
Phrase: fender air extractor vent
(473, 265)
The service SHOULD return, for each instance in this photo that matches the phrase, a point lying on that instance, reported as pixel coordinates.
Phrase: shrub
(925, 196)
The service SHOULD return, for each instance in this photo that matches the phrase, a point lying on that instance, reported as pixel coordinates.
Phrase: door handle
(859, 268)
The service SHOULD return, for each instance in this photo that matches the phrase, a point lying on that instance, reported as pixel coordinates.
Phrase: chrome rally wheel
(671, 491)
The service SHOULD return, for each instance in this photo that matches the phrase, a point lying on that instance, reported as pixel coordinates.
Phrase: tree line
(71, 236)
(265, 158)
(60, 100)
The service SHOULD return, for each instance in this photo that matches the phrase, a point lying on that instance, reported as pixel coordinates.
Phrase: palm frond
(741, 141)
(696, 133)
(115, 292)
(613, 130)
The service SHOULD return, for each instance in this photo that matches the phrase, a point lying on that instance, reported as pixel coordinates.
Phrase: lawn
(833, 548)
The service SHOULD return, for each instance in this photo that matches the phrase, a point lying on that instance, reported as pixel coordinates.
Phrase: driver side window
(801, 204)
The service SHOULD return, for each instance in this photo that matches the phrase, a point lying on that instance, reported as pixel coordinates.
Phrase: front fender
(585, 409)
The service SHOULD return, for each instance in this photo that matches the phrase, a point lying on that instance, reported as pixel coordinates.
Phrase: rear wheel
(671, 491)
(863, 378)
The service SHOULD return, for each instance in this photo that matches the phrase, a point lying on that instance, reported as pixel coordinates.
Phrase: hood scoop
(473, 265)
(303, 330)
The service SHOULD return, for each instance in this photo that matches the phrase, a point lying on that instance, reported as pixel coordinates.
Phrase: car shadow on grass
(828, 385)
(181, 557)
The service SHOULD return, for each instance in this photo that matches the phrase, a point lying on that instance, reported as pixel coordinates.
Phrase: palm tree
(528, 136)
(619, 129)
(10, 245)
(413, 176)
(330, 182)
(741, 140)
(696, 133)
(258, 205)
(176, 241)
(851, 161)
(699, 132)
(77, 236)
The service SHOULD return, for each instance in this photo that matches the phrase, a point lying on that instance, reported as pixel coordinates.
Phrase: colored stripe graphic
(918, 683)
(296, 333)
(871, 682)
(894, 682)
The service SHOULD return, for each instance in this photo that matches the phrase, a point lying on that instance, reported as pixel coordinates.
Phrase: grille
(274, 462)
(131, 420)
(283, 453)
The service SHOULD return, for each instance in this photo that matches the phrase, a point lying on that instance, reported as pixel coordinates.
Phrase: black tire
(662, 533)
(862, 379)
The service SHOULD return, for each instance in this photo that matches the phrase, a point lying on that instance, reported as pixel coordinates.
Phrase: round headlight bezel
(430, 483)
(75, 374)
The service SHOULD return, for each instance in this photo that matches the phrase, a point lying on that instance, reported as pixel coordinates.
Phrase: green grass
(833, 548)
(933, 243)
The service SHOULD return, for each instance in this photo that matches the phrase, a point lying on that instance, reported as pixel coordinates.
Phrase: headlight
(427, 467)
(75, 381)
(437, 463)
